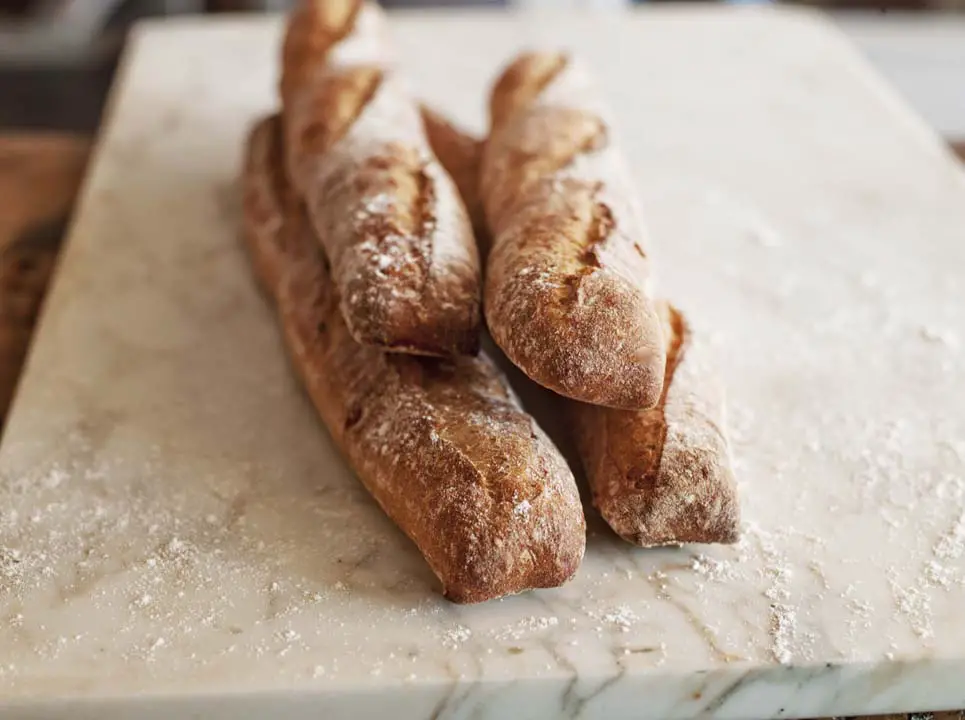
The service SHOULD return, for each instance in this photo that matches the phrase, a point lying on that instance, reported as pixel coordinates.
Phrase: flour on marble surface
(860, 614)
(951, 545)
(941, 572)
(455, 637)
(914, 603)
(178, 575)
(940, 575)
(783, 626)
(526, 627)
(621, 617)
(713, 569)
(11, 564)
(783, 614)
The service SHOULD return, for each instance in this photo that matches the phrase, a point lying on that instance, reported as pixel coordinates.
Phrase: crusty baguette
(643, 466)
(460, 154)
(324, 33)
(441, 444)
(662, 476)
(567, 293)
(390, 219)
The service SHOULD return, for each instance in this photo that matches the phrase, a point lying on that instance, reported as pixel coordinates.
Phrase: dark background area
(57, 57)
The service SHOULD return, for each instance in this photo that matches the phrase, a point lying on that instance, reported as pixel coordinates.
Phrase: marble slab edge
(734, 693)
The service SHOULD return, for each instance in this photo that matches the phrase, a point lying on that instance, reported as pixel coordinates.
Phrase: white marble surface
(177, 533)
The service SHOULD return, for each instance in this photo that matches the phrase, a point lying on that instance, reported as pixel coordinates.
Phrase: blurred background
(57, 56)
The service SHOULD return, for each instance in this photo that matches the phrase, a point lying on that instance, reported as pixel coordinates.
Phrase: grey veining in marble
(177, 533)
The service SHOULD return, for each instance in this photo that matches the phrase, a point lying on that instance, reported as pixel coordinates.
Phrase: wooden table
(39, 177)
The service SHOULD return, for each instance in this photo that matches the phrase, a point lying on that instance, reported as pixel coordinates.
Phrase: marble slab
(178, 536)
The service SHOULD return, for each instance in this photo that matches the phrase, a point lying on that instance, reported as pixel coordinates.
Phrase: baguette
(390, 219)
(324, 33)
(643, 466)
(663, 476)
(441, 444)
(567, 294)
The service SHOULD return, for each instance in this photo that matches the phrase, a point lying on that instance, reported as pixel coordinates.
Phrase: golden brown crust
(328, 114)
(567, 292)
(643, 465)
(522, 81)
(442, 445)
(390, 219)
(313, 28)
(663, 476)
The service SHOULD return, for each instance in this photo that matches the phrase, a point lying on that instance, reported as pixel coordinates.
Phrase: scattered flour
(521, 509)
(713, 569)
(860, 613)
(54, 478)
(526, 627)
(143, 600)
(289, 635)
(939, 575)
(454, 638)
(783, 628)
(11, 565)
(914, 602)
(951, 546)
(621, 616)
(942, 571)
(783, 614)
